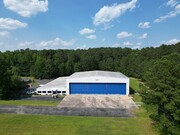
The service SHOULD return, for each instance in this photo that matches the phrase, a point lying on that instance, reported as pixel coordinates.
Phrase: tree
(69, 68)
(5, 78)
(88, 62)
(107, 64)
(163, 93)
(16, 87)
(77, 67)
(38, 69)
(62, 69)
(10, 85)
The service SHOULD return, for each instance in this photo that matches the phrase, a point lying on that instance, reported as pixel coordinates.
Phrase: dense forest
(158, 67)
(55, 63)
(162, 96)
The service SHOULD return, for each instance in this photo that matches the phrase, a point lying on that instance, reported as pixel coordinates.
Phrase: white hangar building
(88, 82)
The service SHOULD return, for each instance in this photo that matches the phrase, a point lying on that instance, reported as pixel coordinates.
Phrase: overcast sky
(73, 24)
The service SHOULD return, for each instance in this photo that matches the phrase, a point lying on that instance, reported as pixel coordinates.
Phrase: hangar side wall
(98, 80)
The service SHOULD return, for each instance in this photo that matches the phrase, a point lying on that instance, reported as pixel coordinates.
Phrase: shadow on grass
(132, 91)
(19, 97)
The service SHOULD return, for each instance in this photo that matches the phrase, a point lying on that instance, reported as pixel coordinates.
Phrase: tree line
(45, 64)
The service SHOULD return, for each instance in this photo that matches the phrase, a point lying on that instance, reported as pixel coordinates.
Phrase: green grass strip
(29, 102)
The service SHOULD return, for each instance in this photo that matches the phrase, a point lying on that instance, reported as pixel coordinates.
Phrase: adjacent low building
(88, 82)
(56, 86)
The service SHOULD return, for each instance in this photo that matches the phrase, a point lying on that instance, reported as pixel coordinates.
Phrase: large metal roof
(98, 74)
(60, 83)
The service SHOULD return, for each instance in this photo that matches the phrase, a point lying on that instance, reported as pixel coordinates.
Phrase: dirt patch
(98, 101)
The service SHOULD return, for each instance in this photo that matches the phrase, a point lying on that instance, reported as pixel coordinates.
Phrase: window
(59, 92)
(63, 91)
(39, 91)
(54, 92)
(49, 91)
(44, 91)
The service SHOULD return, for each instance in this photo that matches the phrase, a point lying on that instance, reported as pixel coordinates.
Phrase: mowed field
(74, 125)
(12, 124)
(29, 102)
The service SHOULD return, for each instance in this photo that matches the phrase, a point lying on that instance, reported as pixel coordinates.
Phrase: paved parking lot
(98, 101)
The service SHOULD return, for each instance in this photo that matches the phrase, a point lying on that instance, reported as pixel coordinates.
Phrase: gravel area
(98, 101)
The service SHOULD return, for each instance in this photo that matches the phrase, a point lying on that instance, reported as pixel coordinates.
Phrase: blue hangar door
(97, 88)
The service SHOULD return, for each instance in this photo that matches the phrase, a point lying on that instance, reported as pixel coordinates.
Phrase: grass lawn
(134, 84)
(29, 102)
(12, 124)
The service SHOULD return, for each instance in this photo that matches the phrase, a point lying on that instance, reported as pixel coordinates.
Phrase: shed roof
(57, 83)
(98, 74)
